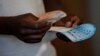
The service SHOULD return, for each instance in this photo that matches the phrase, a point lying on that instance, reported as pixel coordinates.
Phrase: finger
(42, 24)
(69, 21)
(76, 21)
(36, 25)
(30, 15)
(31, 38)
(68, 24)
(72, 18)
(35, 37)
(26, 31)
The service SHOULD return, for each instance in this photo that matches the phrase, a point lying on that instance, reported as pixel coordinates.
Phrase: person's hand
(27, 28)
(70, 21)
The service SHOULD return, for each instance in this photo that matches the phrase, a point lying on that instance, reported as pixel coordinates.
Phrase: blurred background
(88, 11)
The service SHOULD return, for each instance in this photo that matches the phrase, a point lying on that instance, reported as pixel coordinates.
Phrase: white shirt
(10, 45)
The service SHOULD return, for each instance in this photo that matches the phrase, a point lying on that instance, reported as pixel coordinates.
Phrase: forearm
(4, 25)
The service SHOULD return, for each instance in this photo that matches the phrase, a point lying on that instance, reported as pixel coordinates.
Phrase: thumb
(29, 15)
(42, 24)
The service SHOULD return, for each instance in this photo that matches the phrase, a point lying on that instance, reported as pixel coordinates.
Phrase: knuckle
(32, 38)
(32, 41)
(29, 14)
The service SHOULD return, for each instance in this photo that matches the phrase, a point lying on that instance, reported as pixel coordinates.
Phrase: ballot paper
(59, 29)
(52, 17)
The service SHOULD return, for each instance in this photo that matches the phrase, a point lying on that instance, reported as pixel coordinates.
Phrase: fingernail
(68, 24)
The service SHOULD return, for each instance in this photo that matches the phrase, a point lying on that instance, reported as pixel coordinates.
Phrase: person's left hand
(70, 21)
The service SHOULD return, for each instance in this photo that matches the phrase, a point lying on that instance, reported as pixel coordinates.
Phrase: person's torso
(10, 45)
(17, 7)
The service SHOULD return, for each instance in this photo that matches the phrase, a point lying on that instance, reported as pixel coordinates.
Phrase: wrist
(4, 25)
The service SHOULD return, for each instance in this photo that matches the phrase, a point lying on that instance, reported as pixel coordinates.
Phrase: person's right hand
(27, 28)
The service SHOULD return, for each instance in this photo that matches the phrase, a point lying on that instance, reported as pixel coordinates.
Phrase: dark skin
(25, 27)
(72, 21)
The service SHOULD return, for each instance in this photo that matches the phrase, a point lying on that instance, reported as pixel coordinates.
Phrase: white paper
(59, 29)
